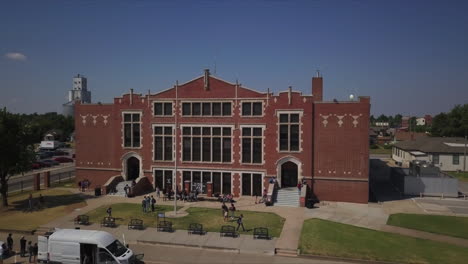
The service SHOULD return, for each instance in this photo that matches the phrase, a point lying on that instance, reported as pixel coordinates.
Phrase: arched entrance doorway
(133, 168)
(289, 174)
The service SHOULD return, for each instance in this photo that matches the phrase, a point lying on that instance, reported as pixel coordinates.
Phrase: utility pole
(464, 161)
(174, 183)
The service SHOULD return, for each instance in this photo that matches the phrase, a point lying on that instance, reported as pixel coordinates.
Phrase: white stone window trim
(153, 151)
(153, 108)
(123, 128)
(251, 181)
(263, 127)
(182, 126)
(242, 101)
(181, 103)
(211, 177)
(301, 124)
(154, 169)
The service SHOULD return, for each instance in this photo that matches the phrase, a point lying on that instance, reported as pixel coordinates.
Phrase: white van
(74, 246)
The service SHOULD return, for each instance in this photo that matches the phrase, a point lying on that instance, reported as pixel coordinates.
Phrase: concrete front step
(286, 252)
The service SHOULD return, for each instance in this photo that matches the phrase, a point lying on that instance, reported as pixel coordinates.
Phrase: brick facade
(333, 139)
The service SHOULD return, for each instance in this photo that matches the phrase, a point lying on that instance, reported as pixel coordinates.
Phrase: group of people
(31, 249)
(232, 209)
(181, 195)
(148, 204)
(84, 185)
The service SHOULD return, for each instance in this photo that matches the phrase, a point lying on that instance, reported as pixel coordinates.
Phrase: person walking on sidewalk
(30, 251)
(10, 243)
(35, 252)
(240, 223)
(22, 247)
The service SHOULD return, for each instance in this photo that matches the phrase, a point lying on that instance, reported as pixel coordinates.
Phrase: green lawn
(462, 176)
(57, 203)
(320, 237)
(447, 225)
(380, 150)
(211, 219)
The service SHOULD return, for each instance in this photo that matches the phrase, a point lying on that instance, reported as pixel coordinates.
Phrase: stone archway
(289, 171)
(132, 166)
(289, 174)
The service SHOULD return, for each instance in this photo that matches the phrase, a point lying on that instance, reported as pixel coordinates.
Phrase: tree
(451, 124)
(16, 149)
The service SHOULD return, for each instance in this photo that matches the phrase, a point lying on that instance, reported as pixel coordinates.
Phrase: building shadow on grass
(47, 202)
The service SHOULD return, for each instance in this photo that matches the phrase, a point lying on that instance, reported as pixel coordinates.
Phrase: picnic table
(82, 220)
(196, 228)
(227, 230)
(135, 224)
(165, 226)
(261, 232)
(108, 221)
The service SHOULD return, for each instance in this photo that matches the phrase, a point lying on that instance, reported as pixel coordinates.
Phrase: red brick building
(210, 130)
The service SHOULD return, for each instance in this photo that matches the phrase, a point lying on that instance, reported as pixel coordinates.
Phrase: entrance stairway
(120, 188)
(287, 197)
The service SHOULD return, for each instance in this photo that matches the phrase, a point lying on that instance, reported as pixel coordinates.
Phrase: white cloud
(16, 56)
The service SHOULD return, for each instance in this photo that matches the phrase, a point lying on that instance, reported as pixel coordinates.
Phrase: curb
(354, 260)
(233, 250)
(25, 232)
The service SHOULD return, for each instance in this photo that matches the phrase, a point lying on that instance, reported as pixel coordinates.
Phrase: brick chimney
(317, 87)
(206, 80)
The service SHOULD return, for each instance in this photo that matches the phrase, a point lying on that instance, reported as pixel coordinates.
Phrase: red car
(35, 166)
(63, 159)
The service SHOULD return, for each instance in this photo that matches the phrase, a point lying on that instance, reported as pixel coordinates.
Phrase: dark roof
(433, 144)
(405, 135)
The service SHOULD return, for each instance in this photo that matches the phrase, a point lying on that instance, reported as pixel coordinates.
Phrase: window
(251, 184)
(199, 179)
(131, 125)
(289, 132)
(206, 144)
(456, 159)
(163, 137)
(163, 180)
(206, 109)
(252, 144)
(252, 109)
(163, 109)
(435, 158)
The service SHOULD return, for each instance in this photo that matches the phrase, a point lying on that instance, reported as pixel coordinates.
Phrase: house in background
(446, 153)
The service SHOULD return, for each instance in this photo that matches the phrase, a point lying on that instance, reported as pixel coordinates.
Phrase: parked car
(36, 166)
(51, 162)
(63, 159)
(43, 164)
(60, 153)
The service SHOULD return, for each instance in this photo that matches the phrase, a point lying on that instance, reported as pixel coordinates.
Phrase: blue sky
(410, 57)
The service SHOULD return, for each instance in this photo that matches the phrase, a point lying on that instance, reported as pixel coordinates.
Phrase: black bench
(108, 221)
(82, 220)
(164, 226)
(228, 231)
(261, 232)
(135, 224)
(195, 228)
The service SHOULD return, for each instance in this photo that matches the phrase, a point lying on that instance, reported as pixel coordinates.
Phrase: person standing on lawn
(153, 202)
(109, 211)
(225, 211)
(148, 204)
(22, 247)
(240, 222)
(143, 204)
